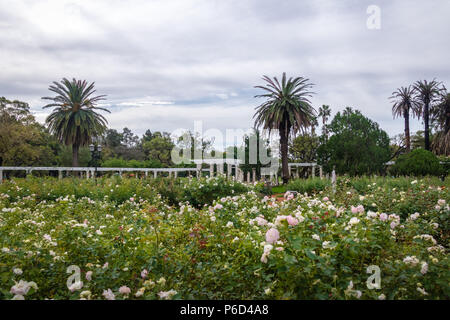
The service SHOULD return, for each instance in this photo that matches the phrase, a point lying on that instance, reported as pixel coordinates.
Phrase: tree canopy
(356, 146)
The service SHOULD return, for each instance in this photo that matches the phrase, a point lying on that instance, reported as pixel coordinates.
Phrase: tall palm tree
(287, 109)
(428, 93)
(440, 115)
(405, 103)
(74, 121)
(314, 124)
(324, 113)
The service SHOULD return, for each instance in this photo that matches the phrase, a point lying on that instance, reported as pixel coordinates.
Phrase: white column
(146, 174)
(1, 176)
(199, 170)
(220, 168)
(333, 180)
(320, 172)
(254, 175)
(59, 174)
(211, 170)
(155, 174)
(229, 170)
(248, 177)
(175, 174)
(313, 171)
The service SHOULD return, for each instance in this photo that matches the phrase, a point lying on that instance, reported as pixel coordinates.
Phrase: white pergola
(313, 166)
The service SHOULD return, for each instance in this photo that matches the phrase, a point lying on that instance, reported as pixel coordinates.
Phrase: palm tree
(287, 109)
(74, 121)
(314, 124)
(324, 112)
(404, 103)
(428, 93)
(440, 115)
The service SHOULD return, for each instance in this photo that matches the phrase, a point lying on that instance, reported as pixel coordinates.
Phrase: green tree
(428, 93)
(159, 148)
(403, 104)
(74, 120)
(356, 146)
(147, 136)
(304, 148)
(287, 108)
(23, 141)
(418, 140)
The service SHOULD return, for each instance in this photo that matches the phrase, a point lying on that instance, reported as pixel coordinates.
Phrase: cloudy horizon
(165, 64)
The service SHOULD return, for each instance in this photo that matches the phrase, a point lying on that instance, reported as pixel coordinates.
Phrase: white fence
(89, 171)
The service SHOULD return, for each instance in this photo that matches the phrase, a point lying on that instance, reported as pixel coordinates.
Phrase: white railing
(89, 171)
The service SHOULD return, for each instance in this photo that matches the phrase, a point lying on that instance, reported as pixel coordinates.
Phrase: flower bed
(71, 239)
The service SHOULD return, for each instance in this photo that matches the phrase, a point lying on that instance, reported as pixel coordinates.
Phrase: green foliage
(445, 163)
(159, 148)
(419, 162)
(304, 148)
(356, 146)
(65, 156)
(23, 141)
(121, 163)
(199, 192)
(118, 228)
(309, 186)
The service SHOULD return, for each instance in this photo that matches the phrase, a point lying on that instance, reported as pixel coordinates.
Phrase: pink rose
(272, 235)
(383, 216)
(292, 221)
(354, 210)
(144, 274)
(124, 290)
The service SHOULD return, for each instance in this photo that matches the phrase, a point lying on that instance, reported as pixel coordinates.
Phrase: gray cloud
(205, 56)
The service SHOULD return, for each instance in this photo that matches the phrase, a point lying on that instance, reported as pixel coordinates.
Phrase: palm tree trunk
(426, 117)
(284, 155)
(407, 136)
(75, 149)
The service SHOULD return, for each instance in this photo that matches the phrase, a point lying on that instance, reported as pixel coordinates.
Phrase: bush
(309, 186)
(121, 163)
(204, 190)
(125, 234)
(419, 162)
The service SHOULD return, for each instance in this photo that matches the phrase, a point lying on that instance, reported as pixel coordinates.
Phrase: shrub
(204, 190)
(121, 163)
(309, 186)
(419, 162)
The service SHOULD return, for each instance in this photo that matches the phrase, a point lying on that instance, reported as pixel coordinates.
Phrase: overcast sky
(164, 64)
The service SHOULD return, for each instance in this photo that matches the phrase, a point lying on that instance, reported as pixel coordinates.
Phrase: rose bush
(222, 240)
